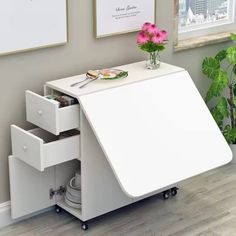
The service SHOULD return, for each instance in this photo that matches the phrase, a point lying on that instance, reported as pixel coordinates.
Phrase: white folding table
(138, 136)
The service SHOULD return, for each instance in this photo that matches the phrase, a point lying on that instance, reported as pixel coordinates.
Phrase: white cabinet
(30, 188)
(120, 134)
(47, 114)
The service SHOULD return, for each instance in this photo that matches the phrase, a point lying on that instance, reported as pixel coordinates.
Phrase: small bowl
(74, 191)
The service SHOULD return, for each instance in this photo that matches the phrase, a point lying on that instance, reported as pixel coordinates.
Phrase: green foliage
(218, 85)
(222, 107)
(230, 134)
(210, 67)
(152, 47)
(234, 91)
(220, 111)
(234, 69)
(231, 55)
(221, 70)
(220, 56)
(233, 37)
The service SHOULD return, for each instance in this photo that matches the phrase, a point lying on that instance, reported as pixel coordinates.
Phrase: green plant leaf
(229, 134)
(234, 100)
(220, 111)
(152, 47)
(222, 107)
(234, 69)
(231, 55)
(218, 117)
(234, 90)
(211, 67)
(217, 86)
(233, 37)
(220, 56)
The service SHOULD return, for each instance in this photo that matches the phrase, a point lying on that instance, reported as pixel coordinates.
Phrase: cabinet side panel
(101, 193)
(29, 188)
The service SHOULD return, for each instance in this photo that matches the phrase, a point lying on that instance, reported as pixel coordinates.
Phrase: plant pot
(233, 149)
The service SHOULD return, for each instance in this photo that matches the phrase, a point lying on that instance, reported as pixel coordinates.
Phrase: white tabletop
(137, 72)
(154, 132)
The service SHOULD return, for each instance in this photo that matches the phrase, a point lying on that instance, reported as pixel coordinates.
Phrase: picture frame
(121, 17)
(22, 27)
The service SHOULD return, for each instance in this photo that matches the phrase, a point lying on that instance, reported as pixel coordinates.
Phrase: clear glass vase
(153, 62)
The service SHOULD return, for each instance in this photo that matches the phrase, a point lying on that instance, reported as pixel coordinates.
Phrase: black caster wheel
(166, 194)
(174, 191)
(84, 226)
(58, 210)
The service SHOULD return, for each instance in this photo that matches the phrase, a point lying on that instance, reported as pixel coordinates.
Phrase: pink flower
(146, 26)
(157, 38)
(142, 38)
(152, 29)
(164, 35)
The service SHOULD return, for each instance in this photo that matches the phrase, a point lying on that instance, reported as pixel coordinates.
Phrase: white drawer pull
(40, 112)
(25, 148)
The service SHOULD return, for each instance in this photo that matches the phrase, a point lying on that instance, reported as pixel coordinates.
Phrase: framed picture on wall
(119, 17)
(32, 24)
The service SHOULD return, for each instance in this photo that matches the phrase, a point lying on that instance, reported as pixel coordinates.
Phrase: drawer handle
(40, 112)
(25, 148)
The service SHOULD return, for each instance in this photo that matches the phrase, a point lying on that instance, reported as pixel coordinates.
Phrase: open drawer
(47, 114)
(41, 149)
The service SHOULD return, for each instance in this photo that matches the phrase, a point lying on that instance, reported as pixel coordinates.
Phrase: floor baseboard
(5, 214)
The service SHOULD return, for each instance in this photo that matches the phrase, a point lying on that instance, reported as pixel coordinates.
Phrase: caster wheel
(166, 195)
(174, 191)
(58, 210)
(84, 226)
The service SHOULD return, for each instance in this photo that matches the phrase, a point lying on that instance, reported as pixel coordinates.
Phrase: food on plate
(107, 74)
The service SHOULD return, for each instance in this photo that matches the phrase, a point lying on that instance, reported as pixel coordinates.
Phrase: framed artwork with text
(120, 17)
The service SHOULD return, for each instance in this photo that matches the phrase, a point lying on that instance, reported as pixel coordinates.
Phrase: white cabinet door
(29, 188)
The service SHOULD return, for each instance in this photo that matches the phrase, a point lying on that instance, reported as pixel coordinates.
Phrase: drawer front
(41, 150)
(46, 114)
(61, 151)
(27, 147)
(68, 118)
(42, 112)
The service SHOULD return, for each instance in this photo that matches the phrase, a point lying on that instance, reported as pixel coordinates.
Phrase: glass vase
(153, 62)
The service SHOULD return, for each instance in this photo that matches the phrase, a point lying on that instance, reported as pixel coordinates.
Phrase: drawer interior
(41, 149)
(48, 137)
(55, 95)
(54, 112)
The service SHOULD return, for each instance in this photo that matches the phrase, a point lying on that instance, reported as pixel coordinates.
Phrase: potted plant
(221, 70)
(151, 39)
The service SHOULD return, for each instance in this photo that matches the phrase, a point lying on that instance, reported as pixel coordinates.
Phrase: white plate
(72, 204)
(75, 199)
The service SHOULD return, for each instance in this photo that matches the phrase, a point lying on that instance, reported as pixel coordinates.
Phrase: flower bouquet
(151, 39)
